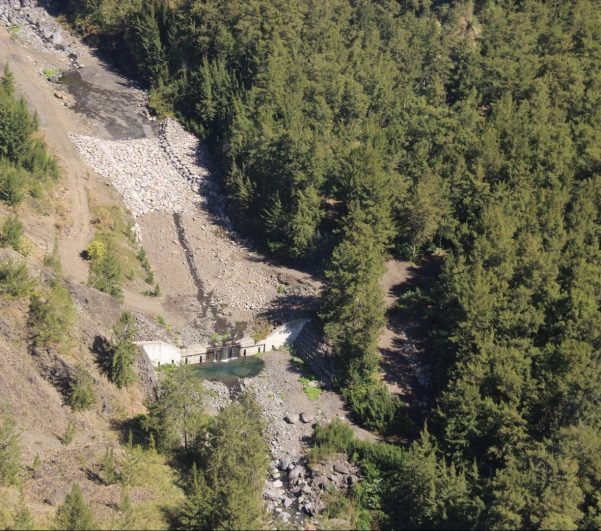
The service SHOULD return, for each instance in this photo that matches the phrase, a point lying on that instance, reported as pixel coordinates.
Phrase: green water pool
(229, 371)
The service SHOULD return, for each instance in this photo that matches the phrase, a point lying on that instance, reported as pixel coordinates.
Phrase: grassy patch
(114, 233)
(14, 31)
(308, 380)
(51, 72)
(310, 388)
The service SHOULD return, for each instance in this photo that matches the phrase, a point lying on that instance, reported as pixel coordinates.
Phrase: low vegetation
(14, 280)
(11, 233)
(10, 452)
(114, 254)
(52, 315)
(26, 168)
(81, 390)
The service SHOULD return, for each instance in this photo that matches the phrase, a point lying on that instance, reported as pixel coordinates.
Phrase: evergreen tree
(124, 351)
(74, 514)
(52, 315)
(197, 512)
(106, 273)
(178, 416)
(82, 395)
(7, 82)
(237, 466)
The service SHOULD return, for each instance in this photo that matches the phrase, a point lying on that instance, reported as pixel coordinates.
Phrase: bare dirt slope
(238, 284)
(80, 182)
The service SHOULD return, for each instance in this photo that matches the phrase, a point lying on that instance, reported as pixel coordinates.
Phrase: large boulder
(297, 472)
(306, 418)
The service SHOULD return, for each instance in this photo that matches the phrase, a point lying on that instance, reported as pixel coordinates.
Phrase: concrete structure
(285, 334)
(161, 353)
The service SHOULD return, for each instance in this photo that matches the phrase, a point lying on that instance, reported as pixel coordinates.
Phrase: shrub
(51, 72)
(260, 330)
(13, 184)
(82, 395)
(69, 434)
(10, 455)
(14, 279)
(106, 274)
(11, 233)
(108, 468)
(14, 31)
(96, 250)
(337, 436)
(74, 513)
(53, 260)
(51, 316)
(375, 408)
(156, 292)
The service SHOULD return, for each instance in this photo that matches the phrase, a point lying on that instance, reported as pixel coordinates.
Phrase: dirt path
(79, 181)
(404, 363)
(392, 338)
(56, 124)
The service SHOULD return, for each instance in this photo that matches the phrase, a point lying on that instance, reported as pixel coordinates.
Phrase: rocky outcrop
(35, 26)
(295, 490)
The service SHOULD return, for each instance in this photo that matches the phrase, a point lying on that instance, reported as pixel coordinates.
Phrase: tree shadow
(131, 430)
(291, 306)
(408, 362)
(103, 350)
(55, 370)
(172, 517)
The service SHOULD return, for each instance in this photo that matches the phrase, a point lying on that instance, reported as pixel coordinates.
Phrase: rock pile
(295, 489)
(189, 157)
(140, 171)
(35, 26)
(183, 150)
(218, 396)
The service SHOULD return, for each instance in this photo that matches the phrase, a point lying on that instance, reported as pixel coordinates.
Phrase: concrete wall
(160, 353)
(286, 333)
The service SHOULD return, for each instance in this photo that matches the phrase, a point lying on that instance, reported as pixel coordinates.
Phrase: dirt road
(56, 124)
(79, 181)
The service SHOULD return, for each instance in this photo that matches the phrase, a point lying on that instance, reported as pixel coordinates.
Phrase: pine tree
(74, 514)
(178, 417)
(198, 511)
(124, 351)
(127, 519)
(237, 466)
(82, 395)
(22, 519)
(106, 273)
(8, 81)
(52, 315)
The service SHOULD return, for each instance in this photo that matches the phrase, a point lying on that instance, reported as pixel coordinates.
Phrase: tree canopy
(469, 131)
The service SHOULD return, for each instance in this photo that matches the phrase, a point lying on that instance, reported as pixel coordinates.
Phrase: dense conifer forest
(463, 133)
